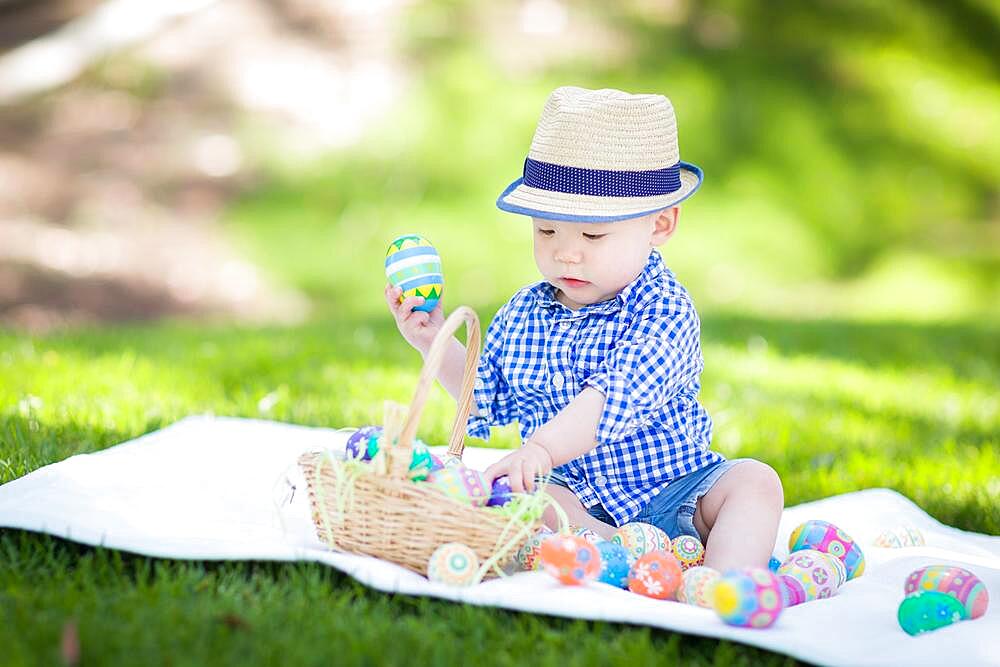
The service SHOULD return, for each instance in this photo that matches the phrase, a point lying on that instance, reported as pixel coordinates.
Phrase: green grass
(180, 613)
(834, 406)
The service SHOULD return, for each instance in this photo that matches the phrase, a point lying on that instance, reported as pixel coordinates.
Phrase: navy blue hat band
(601, 182)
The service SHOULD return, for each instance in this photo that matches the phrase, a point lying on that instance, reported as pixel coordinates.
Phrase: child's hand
(521, 467)
(418, 328)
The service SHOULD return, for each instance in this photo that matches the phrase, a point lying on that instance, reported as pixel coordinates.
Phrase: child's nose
(568, 255)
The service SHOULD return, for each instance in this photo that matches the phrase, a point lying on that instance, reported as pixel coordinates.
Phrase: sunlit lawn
(833, 406)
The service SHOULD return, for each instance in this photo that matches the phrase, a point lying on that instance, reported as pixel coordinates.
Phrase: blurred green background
(851, 154)
(844, 251)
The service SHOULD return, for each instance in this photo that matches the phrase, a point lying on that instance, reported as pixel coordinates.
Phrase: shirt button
(479, 384)
(558, 380)
(564, 325)
(600, 480)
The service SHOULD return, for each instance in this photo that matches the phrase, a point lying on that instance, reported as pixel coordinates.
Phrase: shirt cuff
(478, 427)
(618, 418)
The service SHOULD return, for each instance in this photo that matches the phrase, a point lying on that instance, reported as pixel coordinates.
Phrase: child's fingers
(516, 477)
(409, 303)
(498, 469)
(494, 471)
(528, 476)
(416, 318)
(392, 297)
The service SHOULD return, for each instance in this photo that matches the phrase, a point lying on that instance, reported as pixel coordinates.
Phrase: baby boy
(600, 362)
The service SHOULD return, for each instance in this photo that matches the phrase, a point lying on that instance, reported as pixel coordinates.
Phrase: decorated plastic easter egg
(900, 537)
(461, 483)
(957, 582)
(749, 598)
(656, 574)
(792, 590)
(809, 575)
(587, 534)
(615, 564)
(420, 464)
(570, 559)
(824, 536)
(929, 610)
(363, 443)
(500, 493)
(839, 568)
(688, 551)
(436, 463)
(641, 538)
(526, 557)
(453, 564)
(698, 585)
(413, 265)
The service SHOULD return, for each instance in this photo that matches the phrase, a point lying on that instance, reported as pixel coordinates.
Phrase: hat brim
(525, 200)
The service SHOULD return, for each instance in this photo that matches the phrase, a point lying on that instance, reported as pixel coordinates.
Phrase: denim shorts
(672, 510)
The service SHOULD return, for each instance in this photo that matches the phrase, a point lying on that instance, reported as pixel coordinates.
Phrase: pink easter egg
(750, 598)
(957, 582)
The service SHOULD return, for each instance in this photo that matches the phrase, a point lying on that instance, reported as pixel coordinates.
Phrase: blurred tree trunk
(24, 20)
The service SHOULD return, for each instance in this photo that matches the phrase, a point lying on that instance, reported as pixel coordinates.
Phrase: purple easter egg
(358, 444)
(501, 493)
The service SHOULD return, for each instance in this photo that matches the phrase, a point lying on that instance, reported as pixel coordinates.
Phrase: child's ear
(664, 225)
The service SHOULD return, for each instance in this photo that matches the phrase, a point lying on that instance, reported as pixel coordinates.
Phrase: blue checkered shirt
(640, 349)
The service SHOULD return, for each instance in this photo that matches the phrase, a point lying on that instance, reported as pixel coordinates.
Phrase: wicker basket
(387, 515)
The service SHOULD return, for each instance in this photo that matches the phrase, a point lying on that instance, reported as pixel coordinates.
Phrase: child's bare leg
(575, 512)
(739, 516)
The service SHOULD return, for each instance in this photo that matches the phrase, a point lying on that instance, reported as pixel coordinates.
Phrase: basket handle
(432, 364)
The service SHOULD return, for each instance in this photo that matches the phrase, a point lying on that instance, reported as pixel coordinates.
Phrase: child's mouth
(573, 282)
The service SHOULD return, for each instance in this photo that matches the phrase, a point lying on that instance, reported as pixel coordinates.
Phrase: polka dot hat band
(600, 156)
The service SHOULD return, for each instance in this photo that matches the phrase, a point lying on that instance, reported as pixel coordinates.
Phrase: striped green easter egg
(413, 265)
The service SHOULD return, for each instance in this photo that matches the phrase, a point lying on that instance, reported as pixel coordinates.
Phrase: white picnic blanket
(215, 489)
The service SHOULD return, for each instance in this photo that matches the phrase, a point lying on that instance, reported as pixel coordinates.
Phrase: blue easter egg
(413, 265)
(614, 564)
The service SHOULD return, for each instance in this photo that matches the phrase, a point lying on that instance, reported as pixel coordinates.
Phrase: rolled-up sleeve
(492, 395)
(642, 374)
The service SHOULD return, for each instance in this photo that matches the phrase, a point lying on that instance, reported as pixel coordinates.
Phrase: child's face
(590, 262)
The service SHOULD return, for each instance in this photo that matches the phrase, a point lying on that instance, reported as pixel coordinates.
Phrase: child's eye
(546, 232)
(594, 237)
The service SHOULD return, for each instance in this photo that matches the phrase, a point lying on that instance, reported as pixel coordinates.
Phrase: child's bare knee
(762, 480)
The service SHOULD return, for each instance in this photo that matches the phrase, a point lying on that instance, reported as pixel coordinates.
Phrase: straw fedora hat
(600, 156)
